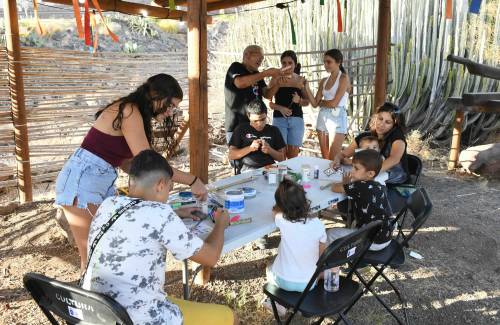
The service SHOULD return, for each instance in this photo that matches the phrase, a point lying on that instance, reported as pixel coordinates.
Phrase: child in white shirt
(303, 239)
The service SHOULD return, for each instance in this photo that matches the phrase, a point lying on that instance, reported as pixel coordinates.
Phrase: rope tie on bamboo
(287, 7)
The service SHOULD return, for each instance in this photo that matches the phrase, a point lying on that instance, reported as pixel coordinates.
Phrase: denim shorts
(291, 128)
(332, 120)
(86, 177)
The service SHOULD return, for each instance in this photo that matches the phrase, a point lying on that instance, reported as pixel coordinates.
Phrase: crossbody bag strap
(103, 230)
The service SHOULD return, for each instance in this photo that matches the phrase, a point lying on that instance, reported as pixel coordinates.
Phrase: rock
(8, 208)
(484, 159)
(64, 225)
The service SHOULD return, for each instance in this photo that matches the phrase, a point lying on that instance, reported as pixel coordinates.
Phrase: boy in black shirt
(256, 143)
(369, 197)
(245, 83)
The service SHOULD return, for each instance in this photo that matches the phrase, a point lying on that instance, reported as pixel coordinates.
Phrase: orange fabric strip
(86, 23)
(111, 34)
(449, 9)
(95, 32)
(39, 27)
(339, 17)
(78, 18)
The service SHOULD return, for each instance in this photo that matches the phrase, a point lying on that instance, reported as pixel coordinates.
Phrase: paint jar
(272, 176)
(306, 176)
(235, 201)
(331, 279)
(282, 172)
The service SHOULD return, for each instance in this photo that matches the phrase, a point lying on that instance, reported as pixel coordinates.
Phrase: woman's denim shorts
(291, 128)
(332, 120)
(86, 177)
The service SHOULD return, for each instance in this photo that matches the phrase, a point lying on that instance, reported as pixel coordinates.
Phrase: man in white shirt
(128, 262)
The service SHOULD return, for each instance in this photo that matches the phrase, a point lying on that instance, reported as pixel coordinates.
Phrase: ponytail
(297, 68)
(341, 67)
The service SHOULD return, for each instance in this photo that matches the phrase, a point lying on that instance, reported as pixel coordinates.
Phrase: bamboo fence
(420, 79)
(63, 91)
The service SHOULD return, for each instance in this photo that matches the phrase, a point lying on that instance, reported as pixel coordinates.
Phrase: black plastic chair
(318, 302)
(72, 304)
(393, 255)
(414, 169)
(237, 165)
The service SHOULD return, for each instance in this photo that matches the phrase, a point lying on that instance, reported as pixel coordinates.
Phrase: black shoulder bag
(105, 228)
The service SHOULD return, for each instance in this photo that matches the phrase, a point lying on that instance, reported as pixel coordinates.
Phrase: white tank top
(330, 93)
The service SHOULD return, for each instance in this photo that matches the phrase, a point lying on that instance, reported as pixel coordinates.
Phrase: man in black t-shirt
(256, 143)
(245, 83)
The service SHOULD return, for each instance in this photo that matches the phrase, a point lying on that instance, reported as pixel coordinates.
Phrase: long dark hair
(291, 201)
(337, 56)
(291, 54)
(157, 87)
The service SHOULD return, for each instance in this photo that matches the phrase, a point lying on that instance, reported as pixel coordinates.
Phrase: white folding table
(259, 208)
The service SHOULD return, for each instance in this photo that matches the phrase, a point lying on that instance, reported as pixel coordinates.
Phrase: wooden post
(198, 98)
(455, 139)
(383, 47)
(18, 109)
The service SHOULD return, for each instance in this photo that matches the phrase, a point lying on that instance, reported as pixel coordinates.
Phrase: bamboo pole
(383, 46)
(17, 101)
(455, 140)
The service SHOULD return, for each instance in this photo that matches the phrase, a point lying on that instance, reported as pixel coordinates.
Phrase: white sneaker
(266, 303)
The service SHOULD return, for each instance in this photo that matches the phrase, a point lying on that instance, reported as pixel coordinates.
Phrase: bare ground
(457, 281)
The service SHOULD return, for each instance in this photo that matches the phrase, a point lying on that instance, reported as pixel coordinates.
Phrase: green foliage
(130, 47)
(142, 26)
(167, 25)
(34, 40)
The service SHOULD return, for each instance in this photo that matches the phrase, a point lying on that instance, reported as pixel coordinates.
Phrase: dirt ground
(456, 282)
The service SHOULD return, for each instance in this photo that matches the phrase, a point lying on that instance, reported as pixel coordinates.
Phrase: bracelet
(195, 179)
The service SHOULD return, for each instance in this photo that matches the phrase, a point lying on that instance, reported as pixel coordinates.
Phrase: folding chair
(318, 302)
(396, 199)
(414, 169)
(237, 165)
(72, 304)
(393, 255)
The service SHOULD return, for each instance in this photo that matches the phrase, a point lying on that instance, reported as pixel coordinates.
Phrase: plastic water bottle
(331, 279)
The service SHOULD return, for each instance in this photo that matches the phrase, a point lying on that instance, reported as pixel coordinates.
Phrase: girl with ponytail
(121, 131)
(288, 103)
(332, 97)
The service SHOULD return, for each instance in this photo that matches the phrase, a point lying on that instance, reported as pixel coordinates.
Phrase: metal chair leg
(345, 319)
(275, 312)
(368, 288)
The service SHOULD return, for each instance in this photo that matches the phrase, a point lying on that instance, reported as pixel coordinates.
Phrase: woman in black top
(388, 126)
(287, 106)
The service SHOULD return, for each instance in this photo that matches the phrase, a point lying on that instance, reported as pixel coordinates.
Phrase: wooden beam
(211, 5)
(198, 87)
(18, 108)
(383, 47)
(131, 8)
(224, 4)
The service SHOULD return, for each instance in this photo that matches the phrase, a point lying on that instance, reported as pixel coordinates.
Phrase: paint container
(306, 176)
(249, 192)
(272, 176)
(235, 201)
